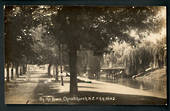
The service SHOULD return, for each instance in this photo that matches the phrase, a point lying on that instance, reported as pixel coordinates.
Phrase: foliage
(18, 40)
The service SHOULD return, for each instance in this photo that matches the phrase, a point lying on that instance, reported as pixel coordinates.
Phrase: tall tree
(18, 39)
(95, 27)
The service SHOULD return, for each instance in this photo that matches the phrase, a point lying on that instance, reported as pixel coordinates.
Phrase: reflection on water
(154, 86)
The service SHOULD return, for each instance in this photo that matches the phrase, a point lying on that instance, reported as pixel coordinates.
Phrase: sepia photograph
(85, 55)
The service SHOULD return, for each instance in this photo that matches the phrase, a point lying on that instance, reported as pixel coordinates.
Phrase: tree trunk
(24, 68)
(21, 70)
(73, 71)
(56, 77)
(49, 71)
(7, 72)
(98, 67)
(60, 59)
(12, 72)
(17, 70)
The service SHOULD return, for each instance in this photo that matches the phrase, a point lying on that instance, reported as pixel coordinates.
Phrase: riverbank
(158, 77)
(159, 74)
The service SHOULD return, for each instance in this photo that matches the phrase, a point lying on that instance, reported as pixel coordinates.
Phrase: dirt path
(21, 90)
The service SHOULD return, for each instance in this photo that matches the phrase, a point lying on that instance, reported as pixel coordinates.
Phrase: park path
(27, 89)
(106, 87)
(21, 90)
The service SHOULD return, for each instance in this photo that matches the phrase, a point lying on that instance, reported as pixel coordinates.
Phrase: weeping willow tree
(138, 60)
(146, 55)
(148, 50)
(159, 53)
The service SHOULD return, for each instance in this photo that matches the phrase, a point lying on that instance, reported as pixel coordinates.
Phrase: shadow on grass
(87, 87)
(88, 98)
